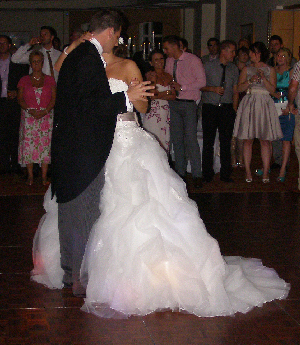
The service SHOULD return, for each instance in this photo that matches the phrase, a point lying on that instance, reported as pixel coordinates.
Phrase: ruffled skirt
(149, 250)
(257, 118)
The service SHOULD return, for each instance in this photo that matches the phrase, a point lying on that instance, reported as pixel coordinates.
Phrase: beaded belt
(129, 116)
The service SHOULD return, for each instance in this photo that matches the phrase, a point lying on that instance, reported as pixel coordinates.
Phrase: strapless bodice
(251, 71)
(118, 85)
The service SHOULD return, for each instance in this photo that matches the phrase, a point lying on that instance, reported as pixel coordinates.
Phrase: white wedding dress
(149, 250)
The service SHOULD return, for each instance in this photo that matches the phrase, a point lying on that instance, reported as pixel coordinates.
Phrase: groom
(83, 131)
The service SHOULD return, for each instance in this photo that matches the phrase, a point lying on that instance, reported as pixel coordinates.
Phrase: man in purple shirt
(188, 78)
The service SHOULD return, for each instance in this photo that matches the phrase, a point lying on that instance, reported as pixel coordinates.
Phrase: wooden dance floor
(265, 225)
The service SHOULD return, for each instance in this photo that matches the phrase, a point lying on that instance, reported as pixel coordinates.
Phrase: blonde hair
(36, 53)
(288, 55)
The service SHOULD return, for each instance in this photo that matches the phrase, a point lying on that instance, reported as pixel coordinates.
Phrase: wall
(29, 22)
(251, 12)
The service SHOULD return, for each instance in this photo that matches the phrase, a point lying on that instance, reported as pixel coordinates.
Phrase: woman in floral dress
(36, 96)
(157, 121)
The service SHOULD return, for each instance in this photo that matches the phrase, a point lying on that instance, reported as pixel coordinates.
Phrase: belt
(184, 100)
(222, 105)
(129, 116)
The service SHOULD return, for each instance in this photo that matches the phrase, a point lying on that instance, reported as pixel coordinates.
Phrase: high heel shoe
(248, 180)
(260, 172)
(281, 178)
(265, 180)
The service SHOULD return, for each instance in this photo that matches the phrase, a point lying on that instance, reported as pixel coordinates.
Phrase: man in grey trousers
(84, 123)
(188, 78)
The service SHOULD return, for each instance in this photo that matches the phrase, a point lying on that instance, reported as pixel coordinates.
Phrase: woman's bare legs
(44, 173)
(286, 150)
(240, 145)
(29, 173)
(266, 157)
(247, 157)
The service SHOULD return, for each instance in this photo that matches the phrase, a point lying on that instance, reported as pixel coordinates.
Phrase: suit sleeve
(89, 75)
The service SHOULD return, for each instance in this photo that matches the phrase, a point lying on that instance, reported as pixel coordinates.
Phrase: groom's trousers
(75, 221)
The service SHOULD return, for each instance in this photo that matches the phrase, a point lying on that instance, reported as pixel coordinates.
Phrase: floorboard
(263, 225)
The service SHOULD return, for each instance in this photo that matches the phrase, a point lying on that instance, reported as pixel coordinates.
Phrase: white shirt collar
(99, 48)
(48, 50)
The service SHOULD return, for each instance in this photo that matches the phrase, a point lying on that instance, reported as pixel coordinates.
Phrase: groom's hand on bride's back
(139, 91)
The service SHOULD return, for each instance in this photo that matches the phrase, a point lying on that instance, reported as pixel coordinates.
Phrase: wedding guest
(275, 44)
(157, 120)
(36, 96)
(188, 78)
(213, 45)
(220, 101)
(244, 42)
(10, 74)
(287, 119)
(44, 43)
(257, 116)
(294, 96)
(56, 43)
(241, 61)
(184, 45)
(242, 58)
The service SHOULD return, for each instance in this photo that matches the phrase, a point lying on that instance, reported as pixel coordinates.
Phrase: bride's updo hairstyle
(259, 47)
(106, 19)
(121, 51)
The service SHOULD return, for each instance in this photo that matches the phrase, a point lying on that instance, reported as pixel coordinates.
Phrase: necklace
(36, 78)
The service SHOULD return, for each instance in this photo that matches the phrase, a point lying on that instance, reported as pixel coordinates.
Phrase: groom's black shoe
(67, 285)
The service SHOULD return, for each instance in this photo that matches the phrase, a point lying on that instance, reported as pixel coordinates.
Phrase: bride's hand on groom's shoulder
(87, 36)
(139, 91)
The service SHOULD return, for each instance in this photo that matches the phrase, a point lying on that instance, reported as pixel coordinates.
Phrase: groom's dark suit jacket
(84, 122)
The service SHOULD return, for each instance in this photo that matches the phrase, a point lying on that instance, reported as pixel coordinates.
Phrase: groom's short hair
(106, 19)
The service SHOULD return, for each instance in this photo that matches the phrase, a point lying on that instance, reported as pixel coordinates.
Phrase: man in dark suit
(84, 123)
(10, 112)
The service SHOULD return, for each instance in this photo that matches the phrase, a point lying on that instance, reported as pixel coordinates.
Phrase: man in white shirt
(47, 35)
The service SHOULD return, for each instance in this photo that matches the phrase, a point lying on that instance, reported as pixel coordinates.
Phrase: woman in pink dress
(36, 96)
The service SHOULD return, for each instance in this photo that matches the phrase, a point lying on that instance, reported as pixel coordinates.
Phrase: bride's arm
(68, 49)
(133, 72)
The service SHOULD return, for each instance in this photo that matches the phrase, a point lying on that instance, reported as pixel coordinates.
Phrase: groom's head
(106, 27)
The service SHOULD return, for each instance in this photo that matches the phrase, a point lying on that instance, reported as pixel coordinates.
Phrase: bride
(149, 250)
